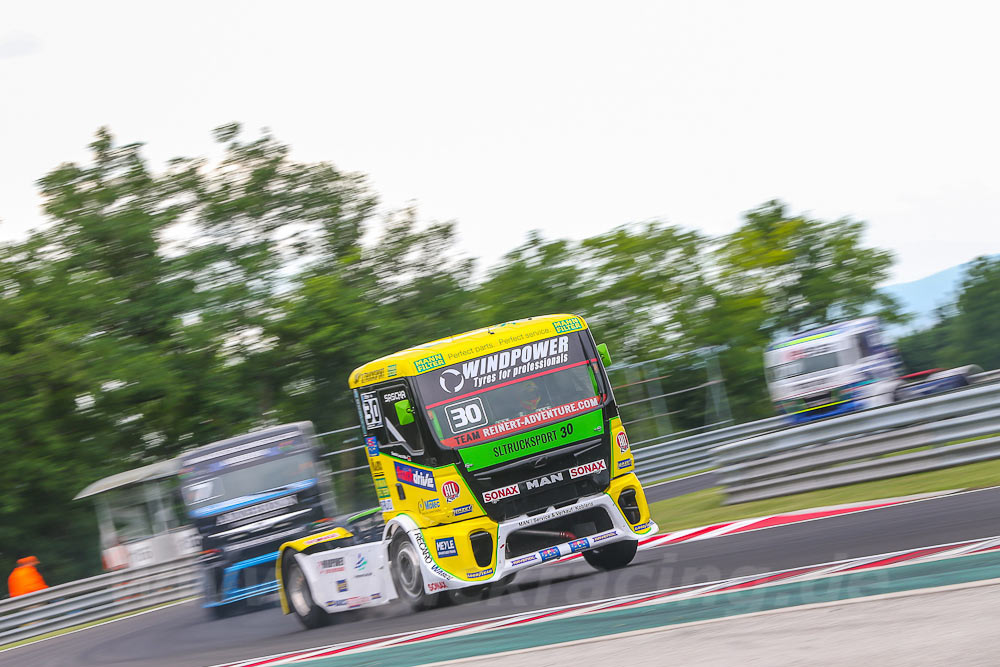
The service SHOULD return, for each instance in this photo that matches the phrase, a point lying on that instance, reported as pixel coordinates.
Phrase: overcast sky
(571, 118)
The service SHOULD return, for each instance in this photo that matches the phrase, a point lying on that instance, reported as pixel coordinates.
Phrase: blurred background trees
(966, 331)
(161, 309)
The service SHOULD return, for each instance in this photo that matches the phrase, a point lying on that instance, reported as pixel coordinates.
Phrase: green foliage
(646, 277)
(161, 310)
(977, 320)
(804, 272)
(930, 347)
(536, 278)
(966, 331)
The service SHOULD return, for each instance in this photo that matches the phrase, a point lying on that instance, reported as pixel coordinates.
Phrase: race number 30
(373, 415)
(466, 415)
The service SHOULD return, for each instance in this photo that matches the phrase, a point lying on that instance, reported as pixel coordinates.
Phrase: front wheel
(612, 557)
(300, 598)
(406, 575)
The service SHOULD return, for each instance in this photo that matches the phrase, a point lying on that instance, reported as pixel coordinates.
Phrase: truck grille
(553, 486)
(817, 400)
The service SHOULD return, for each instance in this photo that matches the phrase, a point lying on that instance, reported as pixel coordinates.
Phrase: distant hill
(922, 297)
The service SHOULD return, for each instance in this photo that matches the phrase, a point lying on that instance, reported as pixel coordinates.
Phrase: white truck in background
(846, 367)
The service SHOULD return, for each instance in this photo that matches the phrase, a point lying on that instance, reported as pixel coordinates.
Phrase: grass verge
(703, 508)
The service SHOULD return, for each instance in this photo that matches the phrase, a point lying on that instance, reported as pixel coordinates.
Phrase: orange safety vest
(25, 578)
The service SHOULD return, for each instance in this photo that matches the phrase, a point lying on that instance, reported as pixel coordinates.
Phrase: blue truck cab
(246, 496)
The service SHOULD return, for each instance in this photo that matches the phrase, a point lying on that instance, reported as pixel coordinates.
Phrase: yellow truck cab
(495, 450)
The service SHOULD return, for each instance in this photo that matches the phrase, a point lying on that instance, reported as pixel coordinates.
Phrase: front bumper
(824, 411)
(458, 567)
(246, 579)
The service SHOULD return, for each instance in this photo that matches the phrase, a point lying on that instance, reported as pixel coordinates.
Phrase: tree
(805, 272)
(977, 320)
(536, 278)
(965, 330)
(136, 323)
(645, 278)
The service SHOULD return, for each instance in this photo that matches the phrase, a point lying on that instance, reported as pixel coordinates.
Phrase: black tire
(404, 565)
(612, 557)
(299, 596)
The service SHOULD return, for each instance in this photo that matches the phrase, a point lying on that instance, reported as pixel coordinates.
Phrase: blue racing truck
(246, 496)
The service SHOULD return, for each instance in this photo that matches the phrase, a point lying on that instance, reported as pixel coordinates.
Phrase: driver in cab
(531, 398)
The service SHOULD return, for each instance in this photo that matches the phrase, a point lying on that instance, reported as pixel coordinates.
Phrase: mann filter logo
(587, 469)
(565, 326)
(256, 510)
(392, 370)
(428, 363)
(415, 477)
(496, 495)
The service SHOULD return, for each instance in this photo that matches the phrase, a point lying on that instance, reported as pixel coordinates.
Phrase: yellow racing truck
(490, 451)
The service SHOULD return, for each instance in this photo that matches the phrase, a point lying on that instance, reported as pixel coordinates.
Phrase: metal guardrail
(96, 598)
(917, 436)
(693, 453)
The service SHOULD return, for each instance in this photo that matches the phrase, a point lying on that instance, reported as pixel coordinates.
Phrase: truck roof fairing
(435, 354)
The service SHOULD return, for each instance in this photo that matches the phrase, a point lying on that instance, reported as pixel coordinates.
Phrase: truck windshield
(511, 391)
(804, 366)
(264, 477)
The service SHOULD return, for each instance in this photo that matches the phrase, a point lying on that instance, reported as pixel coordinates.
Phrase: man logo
(452, 381)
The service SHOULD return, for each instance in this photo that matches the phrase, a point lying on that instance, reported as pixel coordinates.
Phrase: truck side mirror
(602, 351)
(404, 412)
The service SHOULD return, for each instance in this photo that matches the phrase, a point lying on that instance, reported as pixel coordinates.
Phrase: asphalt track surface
(181, 635)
